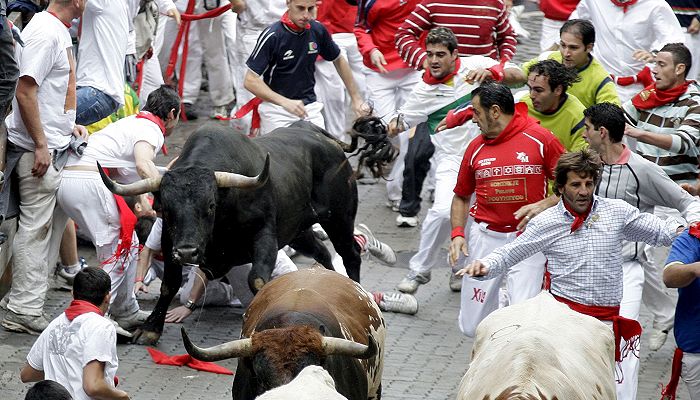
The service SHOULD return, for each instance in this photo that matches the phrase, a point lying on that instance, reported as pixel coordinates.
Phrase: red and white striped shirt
(481, 27)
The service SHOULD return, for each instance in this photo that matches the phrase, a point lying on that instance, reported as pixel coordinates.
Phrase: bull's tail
(377, 151)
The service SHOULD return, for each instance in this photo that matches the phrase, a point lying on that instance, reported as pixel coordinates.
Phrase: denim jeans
(8, 67)
(93, 105)
(416, 167)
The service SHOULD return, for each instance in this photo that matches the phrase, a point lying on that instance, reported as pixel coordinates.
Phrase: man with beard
(582, 238)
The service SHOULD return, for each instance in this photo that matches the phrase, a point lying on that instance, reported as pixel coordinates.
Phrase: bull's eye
(212, 206)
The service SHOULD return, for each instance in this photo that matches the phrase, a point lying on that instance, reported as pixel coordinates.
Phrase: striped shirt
(643, 184)
(586, 265)
(681, 120)
(481, 27)
(685, 10)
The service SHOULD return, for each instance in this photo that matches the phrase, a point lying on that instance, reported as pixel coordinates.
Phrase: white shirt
(64, 348)
(154, 238)
(586, 265)
(647, 25)
(259, 14)
(102, 50)
(46, 58)
(113, 146)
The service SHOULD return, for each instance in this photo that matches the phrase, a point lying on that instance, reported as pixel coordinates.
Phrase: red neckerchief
(291, 25)
(430, 80)
(623, 328)
(578, 218)
(694, 230)
(624, 4)
(652, 97)
(64, 24)
(156, 120)
(80, 307)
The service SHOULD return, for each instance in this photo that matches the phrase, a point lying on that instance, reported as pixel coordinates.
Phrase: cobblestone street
(426, 355)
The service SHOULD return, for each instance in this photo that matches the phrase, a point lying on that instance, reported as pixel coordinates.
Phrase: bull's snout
(186, 255)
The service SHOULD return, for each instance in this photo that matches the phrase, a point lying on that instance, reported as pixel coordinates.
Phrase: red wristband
(457, 231)
(137, 280)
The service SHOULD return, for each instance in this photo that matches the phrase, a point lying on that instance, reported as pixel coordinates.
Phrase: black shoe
(189, 111)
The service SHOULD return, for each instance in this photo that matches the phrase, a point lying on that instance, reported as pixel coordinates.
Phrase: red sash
(669, 392)
(644, 77)
(127, 224)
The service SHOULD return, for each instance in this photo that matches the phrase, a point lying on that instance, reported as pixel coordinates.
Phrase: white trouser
(228, 27)
(330, 89)
(152, 73)
(386, 93)
(435, 229)
(691, 374)
(632, 284)
(550, 33)
(692, 42)
(245, 42)
(38, 237)
(656, 296)
(273, 116)
(479, 298)
(86, 200)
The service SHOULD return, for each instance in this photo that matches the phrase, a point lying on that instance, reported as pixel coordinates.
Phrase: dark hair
(558, 74)
(582, 28)
(162, 100)
(443, 36)
(680, 54)
(491, 93)
(47, 390)
(610, 116)
(92, 285)
(585, 162)
(143, 227)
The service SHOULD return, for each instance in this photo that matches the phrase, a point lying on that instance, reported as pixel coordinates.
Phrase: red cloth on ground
(430, 80)
(669, 392)
(186, 360)
(652, 97)
(77, 308)
(579, 219)
(623, 328)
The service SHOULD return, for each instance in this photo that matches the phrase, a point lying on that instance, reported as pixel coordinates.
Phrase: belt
(80, 168)
(497, 228)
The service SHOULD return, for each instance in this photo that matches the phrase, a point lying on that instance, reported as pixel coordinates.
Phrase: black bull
(266, 193)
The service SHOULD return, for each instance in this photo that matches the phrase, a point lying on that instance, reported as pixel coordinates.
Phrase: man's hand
(526, 213)
(478, 75)
(475, 269)
(457, 245)
(42, 161)
(360, 108)
(633, 132)
(694, 26)
(178, 314)
(378, 60)
(295, 107)
(694, 190)
(643, 55)
(80, 131)
(442, 125)
(395, 127)
(140, 287)
(175, 14)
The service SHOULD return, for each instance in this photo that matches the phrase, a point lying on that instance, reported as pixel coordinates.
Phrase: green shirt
(566, 123)
(595, 85)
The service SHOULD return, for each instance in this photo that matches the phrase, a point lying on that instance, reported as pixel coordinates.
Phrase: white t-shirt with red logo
(509, 171)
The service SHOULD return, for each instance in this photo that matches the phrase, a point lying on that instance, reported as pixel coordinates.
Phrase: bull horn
(231, 180)
(233, 349)
(131, 189)
(344, 347)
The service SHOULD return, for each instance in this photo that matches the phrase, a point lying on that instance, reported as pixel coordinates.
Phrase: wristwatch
(190, 305)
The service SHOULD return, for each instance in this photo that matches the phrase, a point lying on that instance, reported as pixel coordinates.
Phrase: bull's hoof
(145, 338)
(258, 283)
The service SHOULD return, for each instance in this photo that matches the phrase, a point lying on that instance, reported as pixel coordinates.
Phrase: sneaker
(396, 302)
(30, 324)
(455, 283)
(189, 111)
(393, 204)
(657, 338)
(410, 283)
(219, 112)
(380, 250)
(319, 232)
(406, 222)
(132, 321)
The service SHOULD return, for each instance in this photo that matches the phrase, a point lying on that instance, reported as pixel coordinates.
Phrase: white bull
(312, 383)
(540, 350)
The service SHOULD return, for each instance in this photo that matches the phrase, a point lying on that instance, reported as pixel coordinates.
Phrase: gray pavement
(426, 355)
